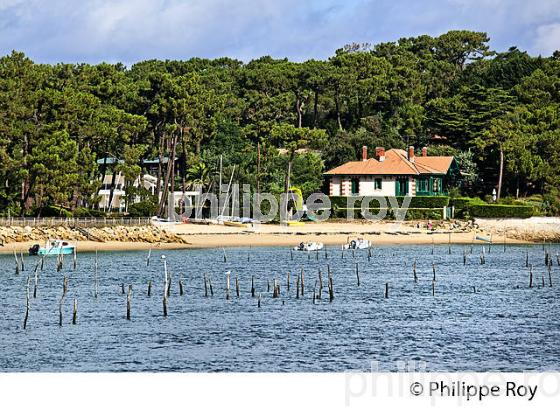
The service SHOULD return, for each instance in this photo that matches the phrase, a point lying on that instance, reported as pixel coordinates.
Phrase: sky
(127, 31)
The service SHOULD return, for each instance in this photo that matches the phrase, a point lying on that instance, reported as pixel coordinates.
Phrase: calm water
(504, 326)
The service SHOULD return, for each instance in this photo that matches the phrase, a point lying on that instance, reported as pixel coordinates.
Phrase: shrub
(88, 213)
(54, 211)
(142, 209)
(338, 202)
(501, 211)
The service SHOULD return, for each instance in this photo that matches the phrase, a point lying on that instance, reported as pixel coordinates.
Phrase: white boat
(309, 246)
(53, 248)
(358, 243)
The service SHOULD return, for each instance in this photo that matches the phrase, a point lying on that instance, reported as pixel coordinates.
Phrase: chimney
(424, 151)
(364, 153)
(411, 153)
(380, 153)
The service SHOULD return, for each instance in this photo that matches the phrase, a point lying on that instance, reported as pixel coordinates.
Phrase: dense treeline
(452, 93)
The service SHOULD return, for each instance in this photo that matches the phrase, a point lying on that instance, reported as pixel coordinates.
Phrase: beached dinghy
(309, 246)
(53, 248)
(359, 243)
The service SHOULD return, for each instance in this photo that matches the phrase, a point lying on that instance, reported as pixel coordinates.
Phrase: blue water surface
(482, 317)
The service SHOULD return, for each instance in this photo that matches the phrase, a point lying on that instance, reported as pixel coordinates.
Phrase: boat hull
(56, 251)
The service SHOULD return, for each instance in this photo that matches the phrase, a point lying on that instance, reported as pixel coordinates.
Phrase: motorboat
(53, 247)
(358, 243)
(309, 246)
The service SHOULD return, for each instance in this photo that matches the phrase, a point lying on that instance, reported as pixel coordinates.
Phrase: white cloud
(548, 38)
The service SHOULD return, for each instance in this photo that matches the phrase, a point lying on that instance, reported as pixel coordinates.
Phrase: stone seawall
(144, 234)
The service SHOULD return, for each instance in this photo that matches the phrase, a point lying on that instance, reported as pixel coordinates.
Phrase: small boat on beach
(309, 246)
(358, 243)
(53, 248)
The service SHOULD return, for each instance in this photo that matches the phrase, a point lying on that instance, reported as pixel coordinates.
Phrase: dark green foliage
(450, 93)
(501, 211)
(54, 211)
(142, 209)
(415, 201)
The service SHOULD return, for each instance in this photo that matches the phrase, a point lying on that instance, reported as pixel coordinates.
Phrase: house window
(436, 185)
(378, 183)
(422, 185)
(355, 184)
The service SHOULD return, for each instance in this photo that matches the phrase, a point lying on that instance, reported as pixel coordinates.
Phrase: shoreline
(254, 240)
(335, 233)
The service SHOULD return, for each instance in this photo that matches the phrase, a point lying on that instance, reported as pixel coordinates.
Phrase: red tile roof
(395, 163)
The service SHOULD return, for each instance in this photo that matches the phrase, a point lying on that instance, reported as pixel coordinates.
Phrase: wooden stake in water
(205, 286)
(149, 256)
(434, 271)
(464, 257)
(275, 290)
(149, 288)
(22, 264)
(550, 273)
(531, 275)
(228, 273)
(297, 286)
(64, 286)
(449, 244)
(252, 286)
(358, 274)
(259, 301)
(225, 256)
(527, 259)
(331, 289)
(288, 281)
(414, 271)
(291, 254)
(237, 286)
(433, 245)
(36, 283)
(26, 305)
(95, 276)
(128, 302)
(60, 303)
(122, 288)
(314, 291)
(386, 290)
(320, 283)
(75, 258)
(433, 287)
(17, 263)
(165, 285)
(302, 281)
(181, 289)
(210, 285)
(75, 312)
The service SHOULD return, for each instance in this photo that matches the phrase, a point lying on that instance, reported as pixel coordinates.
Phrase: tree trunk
(168, 175)
(160, 166)
(112, 190)
(299, 109)
(501, 174)
(315, 109)
(337, 106)
(258, 167)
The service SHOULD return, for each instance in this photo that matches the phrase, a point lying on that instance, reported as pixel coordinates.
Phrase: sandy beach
(329, 233)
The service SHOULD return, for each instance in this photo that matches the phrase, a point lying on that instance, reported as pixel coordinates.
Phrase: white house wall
(342, 186)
